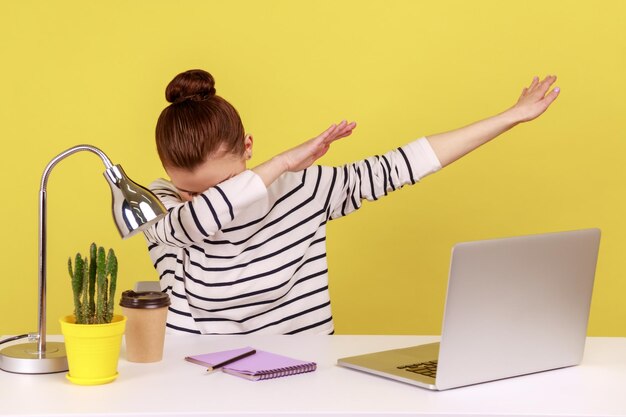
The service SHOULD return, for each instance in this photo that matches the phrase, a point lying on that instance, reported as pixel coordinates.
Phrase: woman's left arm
(452, 145)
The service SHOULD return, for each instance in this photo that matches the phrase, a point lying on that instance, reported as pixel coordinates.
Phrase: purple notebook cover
(262, 363)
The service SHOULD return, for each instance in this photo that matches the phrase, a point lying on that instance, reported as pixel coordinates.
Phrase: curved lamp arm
(65, 154)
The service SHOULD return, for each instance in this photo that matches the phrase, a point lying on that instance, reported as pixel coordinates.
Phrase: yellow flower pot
(93, 350)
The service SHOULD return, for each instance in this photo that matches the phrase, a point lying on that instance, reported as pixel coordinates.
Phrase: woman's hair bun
(192, 85)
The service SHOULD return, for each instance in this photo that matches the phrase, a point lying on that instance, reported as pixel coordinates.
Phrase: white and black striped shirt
(242, 258)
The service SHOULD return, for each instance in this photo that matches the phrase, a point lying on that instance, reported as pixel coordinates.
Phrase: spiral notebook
(260, 365)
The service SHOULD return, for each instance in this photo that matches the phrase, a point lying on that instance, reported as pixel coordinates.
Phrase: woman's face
(215, 169)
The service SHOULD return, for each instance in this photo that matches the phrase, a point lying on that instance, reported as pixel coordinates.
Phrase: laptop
(514, 306)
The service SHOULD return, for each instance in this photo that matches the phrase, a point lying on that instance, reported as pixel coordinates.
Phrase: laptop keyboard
(423, 368)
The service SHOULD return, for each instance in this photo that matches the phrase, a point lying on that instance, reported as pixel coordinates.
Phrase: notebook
(260, 365)
(514, 306)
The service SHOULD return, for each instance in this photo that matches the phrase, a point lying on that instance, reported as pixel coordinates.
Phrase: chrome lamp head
(135, 208)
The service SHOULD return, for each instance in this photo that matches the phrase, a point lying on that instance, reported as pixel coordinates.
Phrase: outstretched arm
(450, 146)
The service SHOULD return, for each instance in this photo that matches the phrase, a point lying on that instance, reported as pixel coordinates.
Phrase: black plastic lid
(144, 299)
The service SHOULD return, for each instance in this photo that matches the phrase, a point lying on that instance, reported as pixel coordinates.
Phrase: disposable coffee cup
(146, 314)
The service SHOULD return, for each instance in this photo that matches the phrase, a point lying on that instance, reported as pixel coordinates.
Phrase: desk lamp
(134, 209)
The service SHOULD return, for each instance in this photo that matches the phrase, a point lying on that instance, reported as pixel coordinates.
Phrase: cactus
(84, 304)
(94, 292)
(101, 285)
(92, 279)
(76, 275)
(111, 269)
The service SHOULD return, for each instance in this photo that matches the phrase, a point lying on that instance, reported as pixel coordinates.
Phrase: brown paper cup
(145, 333)
(146, 314)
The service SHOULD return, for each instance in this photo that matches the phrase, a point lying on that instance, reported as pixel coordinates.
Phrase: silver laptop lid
(516, 306)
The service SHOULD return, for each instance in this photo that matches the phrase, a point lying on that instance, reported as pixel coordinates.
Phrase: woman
(243, 250)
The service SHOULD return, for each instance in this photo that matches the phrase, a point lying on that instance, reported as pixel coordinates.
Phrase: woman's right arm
(196, 220)
(207, 213)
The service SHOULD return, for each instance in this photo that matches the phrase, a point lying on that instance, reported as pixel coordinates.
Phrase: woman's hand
(303, 156)
(534, 101)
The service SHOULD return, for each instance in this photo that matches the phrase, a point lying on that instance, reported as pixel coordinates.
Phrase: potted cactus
(93, 334)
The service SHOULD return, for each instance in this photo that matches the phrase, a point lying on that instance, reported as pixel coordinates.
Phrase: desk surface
(174, 387)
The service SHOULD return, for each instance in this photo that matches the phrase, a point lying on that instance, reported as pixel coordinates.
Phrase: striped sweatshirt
(244, 258)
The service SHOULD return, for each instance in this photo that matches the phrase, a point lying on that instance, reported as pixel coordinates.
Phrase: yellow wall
(95, 72)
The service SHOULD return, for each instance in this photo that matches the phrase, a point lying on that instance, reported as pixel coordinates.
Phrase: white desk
(174, 387)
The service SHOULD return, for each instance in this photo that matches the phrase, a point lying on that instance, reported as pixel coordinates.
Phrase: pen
(231, 360)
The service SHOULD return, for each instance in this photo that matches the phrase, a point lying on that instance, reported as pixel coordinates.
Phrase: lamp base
(25, 359)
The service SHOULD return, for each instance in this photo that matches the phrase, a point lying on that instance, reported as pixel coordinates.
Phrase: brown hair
(198, 123)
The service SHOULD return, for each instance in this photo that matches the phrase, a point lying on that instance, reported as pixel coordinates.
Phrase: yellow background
(95, 72)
